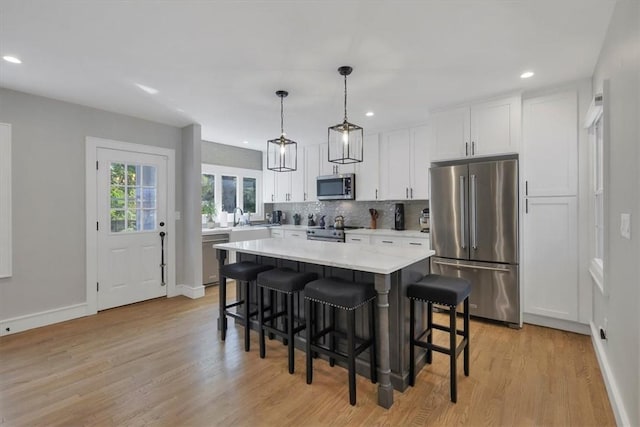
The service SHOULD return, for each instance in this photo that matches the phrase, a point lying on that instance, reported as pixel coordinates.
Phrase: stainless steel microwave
(336, 187)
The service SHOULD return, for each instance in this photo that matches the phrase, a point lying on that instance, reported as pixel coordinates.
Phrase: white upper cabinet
(451, 133)
(268, 182)
(550, 145)
(367, 172)
(404, 165)
(311, 172)
(283, 186)
(395, 173)
(329, 168)
(421, 146)
(491, 127)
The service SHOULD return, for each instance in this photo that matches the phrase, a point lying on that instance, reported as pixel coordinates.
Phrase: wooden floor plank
(161, 363)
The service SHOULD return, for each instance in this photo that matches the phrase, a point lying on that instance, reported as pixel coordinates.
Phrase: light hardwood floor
(161, 363)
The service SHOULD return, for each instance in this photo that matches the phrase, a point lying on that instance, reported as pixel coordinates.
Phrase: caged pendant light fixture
(282, 153)
(345, 139)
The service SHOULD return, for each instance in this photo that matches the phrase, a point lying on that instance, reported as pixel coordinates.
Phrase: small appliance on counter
(424, 221)
(296, 219)
(310, 221)
(374, 218)
(398, 216)
(276, 217)
(338, 223)
(336, 187)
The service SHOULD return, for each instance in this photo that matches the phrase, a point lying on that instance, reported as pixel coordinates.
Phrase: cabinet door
(420, 162)
(367, 172)
(268, 183)
(451, 133)
(283, 186)
(329, 168)
(295, 234)
(396, 170)
(385, 241)
(550, 262)
(495, 126)
(311, 171)
(297, 179)
(358, 239)
(550, 145)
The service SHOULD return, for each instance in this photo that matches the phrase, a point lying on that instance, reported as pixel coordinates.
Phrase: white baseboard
(622, 418)
(191, 291)
(44, 318)
(564, 325)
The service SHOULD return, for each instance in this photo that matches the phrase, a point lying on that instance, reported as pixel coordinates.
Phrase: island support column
(222, 319)
(385, 389)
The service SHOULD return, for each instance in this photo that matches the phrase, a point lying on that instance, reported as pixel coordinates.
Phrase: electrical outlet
(625, 225)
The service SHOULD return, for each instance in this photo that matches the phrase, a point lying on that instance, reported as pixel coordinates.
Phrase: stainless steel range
(329, 234)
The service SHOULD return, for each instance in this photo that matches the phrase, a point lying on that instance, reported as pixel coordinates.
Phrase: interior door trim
(92, 144)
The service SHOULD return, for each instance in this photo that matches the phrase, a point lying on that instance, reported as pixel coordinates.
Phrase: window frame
(596, 124)
(240, 173)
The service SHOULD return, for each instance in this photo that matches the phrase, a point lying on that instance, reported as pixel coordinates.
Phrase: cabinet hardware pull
(415, 243)
(473, 148)
(387, 241)
(466, 148)
(376, 194)
(355, 240)
(526, 206)
(526, 188)
(478, 267)
(463, 208)
(412, 192)
(406, 190)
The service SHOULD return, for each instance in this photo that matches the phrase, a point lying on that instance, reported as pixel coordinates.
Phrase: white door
(421, 161)
(132, 212)
(451, 133)
(395, 176)
(495, 126)
(368, 172)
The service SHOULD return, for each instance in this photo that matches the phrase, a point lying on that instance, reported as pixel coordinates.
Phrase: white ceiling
(218, 63)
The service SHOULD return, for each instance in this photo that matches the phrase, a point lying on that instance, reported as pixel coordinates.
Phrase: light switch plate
(625, 225)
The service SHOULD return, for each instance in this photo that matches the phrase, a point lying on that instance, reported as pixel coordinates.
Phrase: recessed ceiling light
(369, 114)
(526, 74)
(12, 59)
(147, 89)
(245, 142)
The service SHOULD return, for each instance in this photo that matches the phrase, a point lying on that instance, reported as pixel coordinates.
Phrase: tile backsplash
(355, 213)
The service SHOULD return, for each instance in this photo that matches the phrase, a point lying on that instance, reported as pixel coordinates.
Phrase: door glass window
(249, 194)
(229, 188)
(133, 194)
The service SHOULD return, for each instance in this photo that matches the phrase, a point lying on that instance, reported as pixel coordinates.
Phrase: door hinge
(97, 286)
(97, 226)
(96, 165)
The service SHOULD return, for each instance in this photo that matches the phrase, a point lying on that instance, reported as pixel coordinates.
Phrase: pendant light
(345, 139)
(282, 153)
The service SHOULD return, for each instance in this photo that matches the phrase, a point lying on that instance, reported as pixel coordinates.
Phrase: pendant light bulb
(282, 149)
(345, 137)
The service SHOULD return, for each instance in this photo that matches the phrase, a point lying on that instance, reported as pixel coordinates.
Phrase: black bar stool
(446, 291)
(348, 296)
(244, 273)
(286, 282)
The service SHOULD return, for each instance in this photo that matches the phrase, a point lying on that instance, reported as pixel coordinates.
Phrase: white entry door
(132, 213)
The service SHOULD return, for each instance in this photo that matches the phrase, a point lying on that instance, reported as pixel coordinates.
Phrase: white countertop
(388, 232)
(369, 258)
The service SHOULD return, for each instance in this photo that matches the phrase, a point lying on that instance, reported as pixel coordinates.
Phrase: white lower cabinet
(550, 258)
(385, 240)
(295, 234)
(359, 239)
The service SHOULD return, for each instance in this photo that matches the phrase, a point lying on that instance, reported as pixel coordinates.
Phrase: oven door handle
(325, 239)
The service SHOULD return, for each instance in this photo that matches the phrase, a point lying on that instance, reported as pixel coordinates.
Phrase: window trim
(240, 173)
(596, 119)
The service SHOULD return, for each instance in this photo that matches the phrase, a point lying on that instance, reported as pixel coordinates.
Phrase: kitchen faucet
(234, 216)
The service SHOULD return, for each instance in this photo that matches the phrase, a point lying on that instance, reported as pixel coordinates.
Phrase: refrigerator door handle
(474, 213)
(463, 220)
(477, 267)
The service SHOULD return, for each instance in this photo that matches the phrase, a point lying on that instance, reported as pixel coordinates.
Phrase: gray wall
(227, 155)
(619, 62)
(48, 166)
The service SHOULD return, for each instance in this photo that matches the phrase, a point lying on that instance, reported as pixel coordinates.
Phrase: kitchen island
(391, 269)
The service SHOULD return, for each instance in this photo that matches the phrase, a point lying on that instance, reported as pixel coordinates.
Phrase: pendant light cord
(281, 116)
(345, 98)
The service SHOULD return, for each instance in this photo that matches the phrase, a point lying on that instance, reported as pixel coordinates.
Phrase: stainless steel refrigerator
(474, 232)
